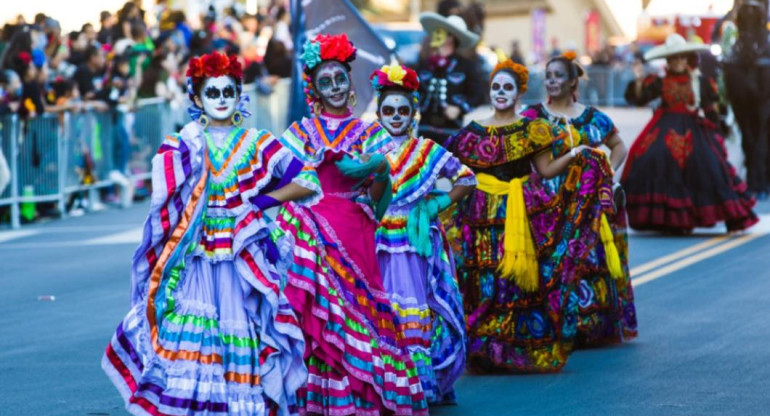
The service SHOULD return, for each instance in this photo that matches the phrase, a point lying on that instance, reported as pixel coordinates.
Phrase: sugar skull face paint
(219, 96)
(396, 114)
(557, 80)
(503, 91)
(332, 82)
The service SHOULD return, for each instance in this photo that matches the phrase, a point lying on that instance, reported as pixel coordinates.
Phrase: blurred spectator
(106, 32)
(555, 49)
(59, 66)
(155, 80)
(78, 45)
(5, 95)
(142, 49)
(13, 89)
(516, 55)
(89, 74)
(281, 32)
(31, 100)
(278, 59)
(128, 16)
(449, 7)
(89, 32)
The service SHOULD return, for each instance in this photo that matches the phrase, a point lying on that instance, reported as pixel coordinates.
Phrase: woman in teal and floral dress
(607, 312)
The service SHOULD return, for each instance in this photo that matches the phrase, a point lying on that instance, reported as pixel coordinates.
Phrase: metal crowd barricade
(9, 141)
(602, 86)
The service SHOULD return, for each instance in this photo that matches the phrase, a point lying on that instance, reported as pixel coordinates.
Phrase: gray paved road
(702, 303)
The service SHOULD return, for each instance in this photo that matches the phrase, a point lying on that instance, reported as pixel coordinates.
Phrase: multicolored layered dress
(355, 355)
(423, 290)
(607, 311)
(677, 176)
(210, 331)
(510, 327)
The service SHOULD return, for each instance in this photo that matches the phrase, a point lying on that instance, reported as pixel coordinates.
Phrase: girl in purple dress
(415, 259)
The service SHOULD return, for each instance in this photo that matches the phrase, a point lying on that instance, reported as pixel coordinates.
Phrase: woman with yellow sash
(518, 290)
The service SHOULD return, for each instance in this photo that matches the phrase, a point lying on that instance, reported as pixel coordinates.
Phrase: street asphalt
(702, 303)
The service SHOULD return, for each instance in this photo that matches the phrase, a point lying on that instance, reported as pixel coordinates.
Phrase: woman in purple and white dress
(210, 331)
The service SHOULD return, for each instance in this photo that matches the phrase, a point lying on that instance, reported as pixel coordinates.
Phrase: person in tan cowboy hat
(449, 83)
(677, 176)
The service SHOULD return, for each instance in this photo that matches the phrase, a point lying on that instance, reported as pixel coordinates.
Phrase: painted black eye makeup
(324, 82)
(229, 92)
(212, 93)
(508, 87)
(341, 78)
(495, 86)
(403, 110)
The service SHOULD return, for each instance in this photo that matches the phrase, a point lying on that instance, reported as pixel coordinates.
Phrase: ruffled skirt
(425, 296)
(677, 178)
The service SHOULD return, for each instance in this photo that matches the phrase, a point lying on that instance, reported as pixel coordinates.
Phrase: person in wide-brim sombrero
(454, 25)
(675, 45)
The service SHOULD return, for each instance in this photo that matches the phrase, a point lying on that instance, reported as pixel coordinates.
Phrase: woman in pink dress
(355, 355)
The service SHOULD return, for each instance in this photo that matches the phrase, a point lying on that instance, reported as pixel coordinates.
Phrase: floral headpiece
(327, 48)
(570, 59)
(397, 77)
(214, 65)
(320, 49)
(520, 72)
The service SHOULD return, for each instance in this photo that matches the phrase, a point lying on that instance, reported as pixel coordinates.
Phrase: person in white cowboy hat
(449, 83)
(677, 176)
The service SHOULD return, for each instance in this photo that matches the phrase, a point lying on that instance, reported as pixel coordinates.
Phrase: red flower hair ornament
(328, 48)
(214, 65)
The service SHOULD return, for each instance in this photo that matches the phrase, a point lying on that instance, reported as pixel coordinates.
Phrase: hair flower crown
(520, 72)
(214, 65)
(327, 48)
(396, 76)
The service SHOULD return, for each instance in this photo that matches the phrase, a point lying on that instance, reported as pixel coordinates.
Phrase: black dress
(677, 176)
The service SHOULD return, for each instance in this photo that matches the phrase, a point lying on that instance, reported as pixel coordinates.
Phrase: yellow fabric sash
(611, 255)
(519, 260)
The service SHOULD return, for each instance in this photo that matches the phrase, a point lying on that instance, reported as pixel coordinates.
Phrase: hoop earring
(352, 100)
(237, 118)
(203, 120)
(317, 107)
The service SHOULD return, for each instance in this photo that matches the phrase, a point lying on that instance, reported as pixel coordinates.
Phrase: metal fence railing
(602, 86)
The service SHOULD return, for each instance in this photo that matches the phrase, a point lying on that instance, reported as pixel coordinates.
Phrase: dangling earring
(203, 120)
(317, 108)
(550, 99)
(237, 118)
(352, 100)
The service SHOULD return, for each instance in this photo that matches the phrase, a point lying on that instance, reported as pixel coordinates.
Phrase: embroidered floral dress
(607, 311)
(423, 290)
(355, 354)
(677, 176)
(210, 331)
(509, 328)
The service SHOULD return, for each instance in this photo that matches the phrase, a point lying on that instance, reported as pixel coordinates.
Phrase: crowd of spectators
(130, 55)
(133, 54)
